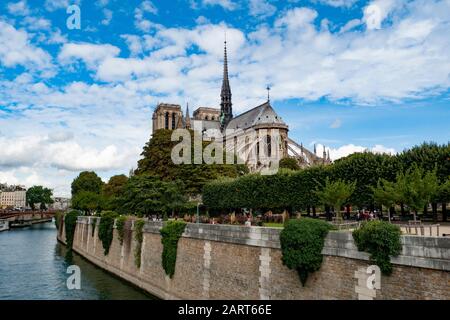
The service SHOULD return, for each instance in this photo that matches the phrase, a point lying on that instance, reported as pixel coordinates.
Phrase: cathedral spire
(187, 117)
(226, 111)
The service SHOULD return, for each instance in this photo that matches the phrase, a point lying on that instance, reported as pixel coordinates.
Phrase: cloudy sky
(346, 74)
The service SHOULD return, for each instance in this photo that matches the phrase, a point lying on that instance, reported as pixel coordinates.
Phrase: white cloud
(348, 149)
(108, 17)
(378, 10)
(261, 8)
(18, 8)
(338, 3)
(336, 124)
(202, 20)
(350, 25)
(52, 5)
(102, 3)
(16, 49)
(297, 18)
(226, 4)
(91, 54)
(139, 16)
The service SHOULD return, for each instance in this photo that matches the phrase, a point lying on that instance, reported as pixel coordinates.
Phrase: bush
(302, 242)
(171, 233)
(381, 240)
(106, 229)
(139, 237)
(120, 224)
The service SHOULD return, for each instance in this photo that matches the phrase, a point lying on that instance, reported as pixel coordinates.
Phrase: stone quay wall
(235, 262)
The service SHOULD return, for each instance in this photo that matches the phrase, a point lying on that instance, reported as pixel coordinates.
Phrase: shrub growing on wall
(106, 228)
(70, 223)
(381, 240)
(94, 223)
(302, 243)
(120, 224)
(170, 234)
(138, 237)
(58, 219)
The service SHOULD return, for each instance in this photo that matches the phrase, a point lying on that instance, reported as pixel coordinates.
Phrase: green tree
(289, 163)
(87, 181)
(386, 193)
(156, 161)
(365, 169)
(114, 187)
(335, 194)
(39, 194)
(444, 197)
(113, 190)
(89, 202)
(146, 194)
(417, 187)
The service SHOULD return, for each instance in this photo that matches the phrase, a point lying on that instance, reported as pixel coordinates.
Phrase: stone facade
(233, 262)
(167, 116)
(203, 113)
(13, 199)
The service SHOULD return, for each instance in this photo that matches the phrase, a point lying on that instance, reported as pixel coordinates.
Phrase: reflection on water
(32, 266)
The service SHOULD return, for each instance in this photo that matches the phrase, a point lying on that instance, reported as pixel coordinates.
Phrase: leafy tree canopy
(87, 181)
(157, 161)
(39, 194)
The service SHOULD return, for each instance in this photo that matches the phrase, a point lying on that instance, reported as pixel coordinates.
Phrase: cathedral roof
(262, 114)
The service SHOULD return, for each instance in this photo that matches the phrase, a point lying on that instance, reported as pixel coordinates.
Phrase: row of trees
(415, 178)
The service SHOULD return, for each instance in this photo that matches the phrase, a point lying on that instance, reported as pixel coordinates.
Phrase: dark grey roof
(262, 114)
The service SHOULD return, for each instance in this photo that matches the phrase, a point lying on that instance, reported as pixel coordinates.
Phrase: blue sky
(345, 74)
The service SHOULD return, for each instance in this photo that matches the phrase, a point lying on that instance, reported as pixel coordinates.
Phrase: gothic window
(269, 145)
(212, 118)
(166, 120)
(206, 117)
(257, 150)
(173, 121)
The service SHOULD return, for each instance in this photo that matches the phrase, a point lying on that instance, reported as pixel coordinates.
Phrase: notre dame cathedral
(251, 131)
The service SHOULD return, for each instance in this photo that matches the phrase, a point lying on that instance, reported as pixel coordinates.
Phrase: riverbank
(232, 262)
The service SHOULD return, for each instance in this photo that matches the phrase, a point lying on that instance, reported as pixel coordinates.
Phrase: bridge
(26, 218)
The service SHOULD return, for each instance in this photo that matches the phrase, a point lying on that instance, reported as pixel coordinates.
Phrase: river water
(33, 267)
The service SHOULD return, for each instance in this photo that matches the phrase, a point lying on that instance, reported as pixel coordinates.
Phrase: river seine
(33, 267)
